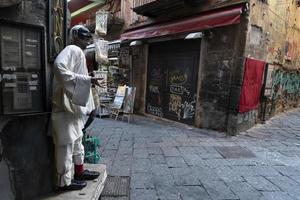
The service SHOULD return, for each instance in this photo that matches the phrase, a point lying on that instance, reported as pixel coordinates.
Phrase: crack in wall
(7, 190)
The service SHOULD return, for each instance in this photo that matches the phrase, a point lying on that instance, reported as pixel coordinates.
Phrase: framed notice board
(22, 87)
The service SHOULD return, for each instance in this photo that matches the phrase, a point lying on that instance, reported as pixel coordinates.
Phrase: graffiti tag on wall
(153, 110)
(154, 89)
(247, 116)
(180, 90)
(188, 109)
(175, 104)
(178, 78)
(285, 84)
(282, 90)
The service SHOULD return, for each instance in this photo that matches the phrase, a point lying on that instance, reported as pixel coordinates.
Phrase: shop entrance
(172, 80)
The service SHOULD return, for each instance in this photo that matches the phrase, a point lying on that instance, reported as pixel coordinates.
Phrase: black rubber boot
(87, 175)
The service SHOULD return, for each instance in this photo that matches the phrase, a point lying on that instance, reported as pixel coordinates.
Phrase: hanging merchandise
(101, 74)
(101, 23)
(101, 48)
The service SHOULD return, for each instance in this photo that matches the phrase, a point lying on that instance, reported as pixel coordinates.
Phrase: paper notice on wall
(269, 80)
(9, 76)
(10, 68)
(33, 82)
(9, 85)
(32, 88)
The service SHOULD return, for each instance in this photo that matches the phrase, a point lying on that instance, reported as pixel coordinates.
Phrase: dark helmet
(80, 35)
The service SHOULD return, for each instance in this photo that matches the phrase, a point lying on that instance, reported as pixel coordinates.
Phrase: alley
(167, 161)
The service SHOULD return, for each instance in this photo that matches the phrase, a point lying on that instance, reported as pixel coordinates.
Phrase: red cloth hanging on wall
(252, 84)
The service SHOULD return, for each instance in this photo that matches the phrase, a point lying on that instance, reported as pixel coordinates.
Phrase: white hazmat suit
(72, 100)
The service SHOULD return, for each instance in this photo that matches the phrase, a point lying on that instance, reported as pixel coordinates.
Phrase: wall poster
(129, 100)
(269, 80)
(57, 27)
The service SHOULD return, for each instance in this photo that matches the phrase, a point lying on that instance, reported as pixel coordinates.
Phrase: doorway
(172, 80)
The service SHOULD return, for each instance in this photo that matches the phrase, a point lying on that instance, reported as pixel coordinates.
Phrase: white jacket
(72, 96)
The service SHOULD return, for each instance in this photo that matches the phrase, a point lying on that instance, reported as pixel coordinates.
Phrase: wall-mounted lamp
(195, 35)
(136, 43)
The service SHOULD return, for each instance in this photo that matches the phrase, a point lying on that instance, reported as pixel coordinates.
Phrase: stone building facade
(210, 93)
(273, 36)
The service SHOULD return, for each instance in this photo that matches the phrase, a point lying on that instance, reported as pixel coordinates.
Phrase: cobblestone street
(167, 161)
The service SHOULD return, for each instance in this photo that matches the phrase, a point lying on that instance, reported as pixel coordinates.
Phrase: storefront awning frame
(208, 20)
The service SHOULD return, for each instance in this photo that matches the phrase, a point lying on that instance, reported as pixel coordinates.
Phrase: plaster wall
(274, 32)
(274, 37)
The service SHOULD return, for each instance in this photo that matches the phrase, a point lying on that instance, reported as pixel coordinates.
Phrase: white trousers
(65, 156)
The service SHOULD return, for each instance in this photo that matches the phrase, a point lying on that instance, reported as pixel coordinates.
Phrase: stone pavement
(170, 161)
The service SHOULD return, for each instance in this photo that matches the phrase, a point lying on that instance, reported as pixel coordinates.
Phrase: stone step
(92, 191)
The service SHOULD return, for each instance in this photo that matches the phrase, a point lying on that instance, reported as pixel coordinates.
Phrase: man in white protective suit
(72, 101)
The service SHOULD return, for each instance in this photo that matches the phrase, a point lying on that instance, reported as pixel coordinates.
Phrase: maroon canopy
(208, 20)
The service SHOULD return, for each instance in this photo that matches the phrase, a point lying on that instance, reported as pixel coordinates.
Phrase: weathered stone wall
(25, 150)
(274, 37)
(221, 73)
(274, 33)
(219, 81)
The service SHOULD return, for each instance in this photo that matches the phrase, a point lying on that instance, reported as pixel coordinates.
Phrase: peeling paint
(280, 26)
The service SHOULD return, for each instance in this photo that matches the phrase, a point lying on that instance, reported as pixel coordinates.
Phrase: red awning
(212, 19)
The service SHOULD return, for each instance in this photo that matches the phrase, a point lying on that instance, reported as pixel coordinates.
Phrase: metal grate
(235, 152)
(116, 188)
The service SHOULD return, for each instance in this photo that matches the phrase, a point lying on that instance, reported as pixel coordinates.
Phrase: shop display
(101, 74)
(107, 55)
(129, 100)
(101, 49)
